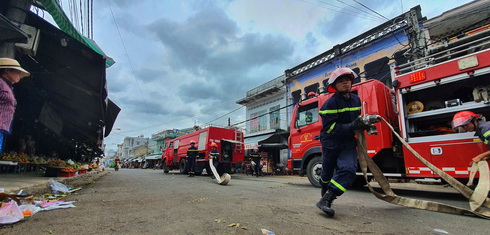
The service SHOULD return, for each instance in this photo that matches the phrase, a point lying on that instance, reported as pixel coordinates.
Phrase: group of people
(192, 154)
(341, 116)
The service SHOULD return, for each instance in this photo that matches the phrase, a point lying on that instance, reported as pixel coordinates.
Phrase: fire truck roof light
(417, 76)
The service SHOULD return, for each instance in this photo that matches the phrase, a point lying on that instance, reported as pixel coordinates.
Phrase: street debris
(267, 232)
(19, 208)
(438, 230)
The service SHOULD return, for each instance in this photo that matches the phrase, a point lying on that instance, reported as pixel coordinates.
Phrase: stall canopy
(63, 22)
(10, 33)
(153, 157)
(67, 91)
(253, 141)
(278, 140)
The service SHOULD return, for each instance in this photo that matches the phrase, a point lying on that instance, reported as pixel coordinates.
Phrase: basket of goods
(82, 169)
(54, 167)
(57, 163)
(23, 158)
(68, 172)
(10, 157)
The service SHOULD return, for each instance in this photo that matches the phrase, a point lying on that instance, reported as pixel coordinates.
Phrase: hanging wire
(370, 9)
(345, 13)
(360, 9)
(129, 60)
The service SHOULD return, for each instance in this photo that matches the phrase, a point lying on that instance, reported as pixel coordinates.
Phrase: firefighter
(340, 117)
(214, 154)
(191, 158)
(471, 121)
(255, 157)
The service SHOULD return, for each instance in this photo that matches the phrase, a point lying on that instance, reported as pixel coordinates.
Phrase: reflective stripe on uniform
(331, 128)
(340, 110)
(325, 182)
(338, 186)
(485, 135)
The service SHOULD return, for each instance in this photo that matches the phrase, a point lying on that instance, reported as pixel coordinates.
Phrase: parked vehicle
(419, 100)
(230, 145)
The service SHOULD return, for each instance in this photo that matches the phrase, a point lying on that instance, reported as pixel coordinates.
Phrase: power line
(263, 114)
(224, 115)
(360, 9)
(370, 9)
(182, 119)
(129, 60)
(355, 15)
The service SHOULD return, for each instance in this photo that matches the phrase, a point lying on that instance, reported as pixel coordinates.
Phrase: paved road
(135, 201)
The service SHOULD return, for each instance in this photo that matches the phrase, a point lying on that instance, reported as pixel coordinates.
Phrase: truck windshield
(307, 115)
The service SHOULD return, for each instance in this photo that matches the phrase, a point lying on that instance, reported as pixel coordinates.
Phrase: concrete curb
(73, 182)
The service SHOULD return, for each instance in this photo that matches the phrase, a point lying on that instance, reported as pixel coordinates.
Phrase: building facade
(267, 125)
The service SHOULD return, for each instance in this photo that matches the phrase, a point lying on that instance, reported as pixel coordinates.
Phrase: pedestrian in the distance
(10, 72)
(255, 157)
(340, 117)
(214, 154)
(191, 158)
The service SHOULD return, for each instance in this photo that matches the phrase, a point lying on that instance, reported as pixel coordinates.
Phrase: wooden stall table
(7, 166)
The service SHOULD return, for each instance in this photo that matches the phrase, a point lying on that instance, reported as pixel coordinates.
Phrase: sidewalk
(37, 183)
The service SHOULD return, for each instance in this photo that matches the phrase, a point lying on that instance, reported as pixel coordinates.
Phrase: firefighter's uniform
(191, 160)
(339, 153)
(483, 132)
(214, 154)
(255, 157)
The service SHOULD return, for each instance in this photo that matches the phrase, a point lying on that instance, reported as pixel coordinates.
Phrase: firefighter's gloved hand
(358, 125)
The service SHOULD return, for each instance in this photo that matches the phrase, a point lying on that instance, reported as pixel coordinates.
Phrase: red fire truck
(419, 101)
(230, 146)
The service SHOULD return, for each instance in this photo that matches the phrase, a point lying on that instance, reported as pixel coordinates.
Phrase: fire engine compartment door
(203, 140)
(226, 151)
(175, 151)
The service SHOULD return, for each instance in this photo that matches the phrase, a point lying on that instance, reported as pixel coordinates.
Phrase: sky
(186, 62)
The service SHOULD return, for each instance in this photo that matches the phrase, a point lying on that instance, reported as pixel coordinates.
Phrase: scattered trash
(10, 213)
(57, 186)
(219, 220)
(441, 231)
(46, 206)
(267, 232)
(31, 208)
(234, 225)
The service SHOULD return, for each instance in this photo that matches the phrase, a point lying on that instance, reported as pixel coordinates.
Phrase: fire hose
(479, 203)
(224, 179)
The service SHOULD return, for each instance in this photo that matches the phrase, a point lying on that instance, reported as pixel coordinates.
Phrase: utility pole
(16, 12)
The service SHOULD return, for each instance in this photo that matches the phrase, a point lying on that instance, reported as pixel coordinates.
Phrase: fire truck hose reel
(415, 107)
(224, 179)
(479, 203)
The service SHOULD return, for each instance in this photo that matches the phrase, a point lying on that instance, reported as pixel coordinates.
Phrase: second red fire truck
(230, 146)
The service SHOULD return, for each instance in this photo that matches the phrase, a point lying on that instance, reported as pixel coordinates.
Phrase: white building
(267, 113)
(130, 144)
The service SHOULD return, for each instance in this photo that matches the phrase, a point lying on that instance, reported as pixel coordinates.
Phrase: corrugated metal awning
(253, 141)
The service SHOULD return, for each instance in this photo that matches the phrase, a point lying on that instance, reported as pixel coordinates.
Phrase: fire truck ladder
(239, 138)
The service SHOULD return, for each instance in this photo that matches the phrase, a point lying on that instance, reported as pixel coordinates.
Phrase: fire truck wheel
(314, 170)
(183, 166)
(165, 168)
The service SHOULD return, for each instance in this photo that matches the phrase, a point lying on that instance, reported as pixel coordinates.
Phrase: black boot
(324, 190)
(325, 204)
